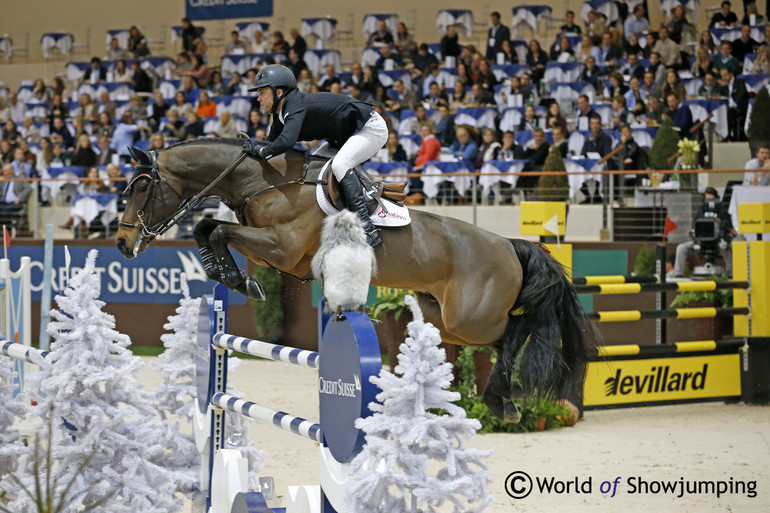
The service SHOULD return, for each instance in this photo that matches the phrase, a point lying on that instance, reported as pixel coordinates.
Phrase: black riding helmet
(275, 77)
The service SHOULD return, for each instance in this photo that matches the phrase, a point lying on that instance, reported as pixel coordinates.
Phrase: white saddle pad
(391, 216)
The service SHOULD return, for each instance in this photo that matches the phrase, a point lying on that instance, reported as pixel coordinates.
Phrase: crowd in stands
(635, 74)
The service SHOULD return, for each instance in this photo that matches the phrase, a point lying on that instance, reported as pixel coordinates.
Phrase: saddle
(374, 189)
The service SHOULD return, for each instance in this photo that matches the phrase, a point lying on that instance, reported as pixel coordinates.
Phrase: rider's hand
(253, 148)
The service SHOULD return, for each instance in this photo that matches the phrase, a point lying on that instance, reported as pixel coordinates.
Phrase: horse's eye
(142, 187)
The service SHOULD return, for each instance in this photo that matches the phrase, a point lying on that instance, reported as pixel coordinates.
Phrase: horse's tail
(546, 340)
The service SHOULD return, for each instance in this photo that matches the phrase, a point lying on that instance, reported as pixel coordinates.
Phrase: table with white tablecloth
(609, 8)
(477, 117)
(748, 194)
(6, 47)
(445, 172)
(504, 71)
(491, 174)
(59, 40)
(390, 171)
(323, 29)
(62, 175)
(529, 15)
(700, 110)
(563, 71)
(388, 77)
(461, 18)
(87, 207)
(512, 116)
(755, 82)
(121, 35)
(372, 23)
(246, 30)
(730, 34)
(317, 60)
(586, 169)
(691, 7)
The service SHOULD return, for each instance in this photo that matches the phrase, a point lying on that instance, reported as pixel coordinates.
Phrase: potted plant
(644, 265)
(269, 313)
(393, 314)
(553, 187)
(759, 129)
(710, 328)
(664, 147)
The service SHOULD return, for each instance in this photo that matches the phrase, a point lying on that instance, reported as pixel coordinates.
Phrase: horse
(476, 287)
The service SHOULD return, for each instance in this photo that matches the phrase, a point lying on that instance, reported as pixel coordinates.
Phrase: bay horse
(476, 287)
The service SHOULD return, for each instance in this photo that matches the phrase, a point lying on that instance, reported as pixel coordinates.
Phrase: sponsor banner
(226, 9)
(662, 379)
(152, 277)
(375, 294)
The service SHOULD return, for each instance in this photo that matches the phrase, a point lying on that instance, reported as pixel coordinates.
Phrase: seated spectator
(106, 105)
(592, 74)
(29, 157)
(632, 67)
(105, 152)
(95, 73)
(125, 134)
(59, 109)
(529, 121)
(635, 98)
(489, 149)
(328, 78)
(175, 126)
(236, 44)
(280, 45)
(405, 43)
(535, 154)
(711, 88)
(509, 150)
(371, 80)
(703, 63)
(726, 59)
(305, 82)
(445, 128)
(725, 17)
(199, 72)
(596, 24)
(121, 73)
(194, 127)
(667, 48)
(651, 39)
(587, 50)
(192, 39)
(405, 98)
(585, 113)
(140, 79)
(435, 96)
(84, 155)
(751, 9)
(206, 108)
(628, 157)
(181, 104)
(259, 45)
(422, 119)
(15, 195)
(554, 118)
(115, 185)
(430, 149)
(460, 98)
(465, 79)
(234, 84)
(569, 27)
(744, 44)
(674, 86)
(597, 141)
(707, 41)
(137, 43)
(20, 165)
(29, 131)
(389, 61)
(10, 131)
(632, 46)
(105, 127)
(16, 109)
(620, 114)
(354, 91)
(486, 78)
(226, 125)
(157, 141)
(382, 36)
(138, 108)
(41, 93)
(480, 97)
(6, 151)
(762, 61)
(61, 134)
(564, 53)
(86, 109)
(381, 99)
(59, 157)
(464, 148)
(758, 168)
(526, 84)
(44, 156)
(396, 152)
(737, 103)
(296, 64)
(450, 46)
(115, 52)
(217, 87)
(680, 115)
(654, 113)
(658, 70)
(536, 60)
(677, 24)
(609, 53)
(189, 89)
(637, 22)
(560, 141)
(615, 86)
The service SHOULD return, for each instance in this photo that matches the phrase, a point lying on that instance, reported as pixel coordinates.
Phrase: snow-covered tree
(176, 394)
(101, 411)
(11, 408)
(405, 437)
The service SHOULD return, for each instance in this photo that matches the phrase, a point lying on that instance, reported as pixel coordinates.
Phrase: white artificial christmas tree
(404, 440)
(175, 396)
(11, 408)
(102, 411)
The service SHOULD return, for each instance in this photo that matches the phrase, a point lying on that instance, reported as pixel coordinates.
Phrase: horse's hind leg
(500, 391)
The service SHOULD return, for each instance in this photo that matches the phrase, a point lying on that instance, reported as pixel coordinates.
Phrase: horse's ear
(140, 156)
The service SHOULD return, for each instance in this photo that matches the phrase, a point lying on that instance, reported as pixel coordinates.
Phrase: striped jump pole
(24, 353)
(266, 350)
(681, 286)
(675, 313)
(613, 279)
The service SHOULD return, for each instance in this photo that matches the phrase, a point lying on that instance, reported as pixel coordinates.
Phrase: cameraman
(712, 208)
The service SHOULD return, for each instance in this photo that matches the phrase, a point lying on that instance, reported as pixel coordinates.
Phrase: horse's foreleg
(202, 234)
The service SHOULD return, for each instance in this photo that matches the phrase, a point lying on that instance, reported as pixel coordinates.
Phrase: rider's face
(265, 99)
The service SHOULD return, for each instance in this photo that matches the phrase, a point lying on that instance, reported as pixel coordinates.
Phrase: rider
(348, 124)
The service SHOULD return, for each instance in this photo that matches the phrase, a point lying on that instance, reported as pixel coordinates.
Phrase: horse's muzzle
(122, 246)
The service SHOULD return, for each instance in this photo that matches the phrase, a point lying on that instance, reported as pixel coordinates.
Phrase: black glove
(253, 148)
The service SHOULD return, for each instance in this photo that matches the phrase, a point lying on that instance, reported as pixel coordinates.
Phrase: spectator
(6, 151)
(29, 157)
(460, 98)
(381, 37)
(563, 52)
(84, 154)
(236, 44)
(405, 43)
(587, 50)
(295, 64)
(280, 45)
(620, 114)
(463, 76)
(585, 113)
(554, 118)
(762, 61)
(226, 125)
(632, 46)
(529, 121)
(703, 63)
(632, 67)
(480, 97)
(194, 127)
(405, 98)
(157, 141)
(658, 70)
(674, 86)
(615, 86)
(59, 158)
(354, 91)
(137, 43)
(382, 100)
(140, 79)
(105, 126)
(328, 78)
(299, 45)
(445, 128)
(592, 74)
(200, 72)
(596, 25)
(174, 126)
(115, 185)
(635, 98)
(637, 22)
(668, 50)
(206, 108)
(29, 131)
(181, 104)
(305, 82)
(737, 103)
(464, 148)
(711, 88)
(422, 119)
(95, 73)
(138, 109)
(486, 78)
(560, 141)
(609, 53)
(597, 141)
(450, 46)
(677, 24)
(192, 40)
(535, 154)
(125, 135)
(121, 73)
(106, 105)
(725, 17)
(105, 152)
(357, 75)
(395, 151)
(744, 45)
(654, 114)
(707, 41)
(496, 34)
(628, 157)
(59, 109)
(115, 52)
(509, 150)
(758, 168)
(388, 60)
(680, 115)
(183, 64)
(570, 27)
(217, 86)
(259, 45)
(536, 60)
(435, 96)
(430, 149)
(424, 60)
(61, 134)
(15, 195)
(16, 109)
(651, 39)
(41, 93)
(234, 84)
(21, 167)
(751, 9)
(45, 155)
(10, 131)
(489, 149)
(371, 80)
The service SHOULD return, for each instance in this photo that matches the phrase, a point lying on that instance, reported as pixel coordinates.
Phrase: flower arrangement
(689, 150)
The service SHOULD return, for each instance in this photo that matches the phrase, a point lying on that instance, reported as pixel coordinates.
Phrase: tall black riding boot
(354, 201)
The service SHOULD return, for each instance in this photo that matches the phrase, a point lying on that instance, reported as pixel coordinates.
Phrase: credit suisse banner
(225, 9)
(152, 277)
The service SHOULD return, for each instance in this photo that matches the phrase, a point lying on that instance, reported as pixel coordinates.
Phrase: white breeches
(361, 146)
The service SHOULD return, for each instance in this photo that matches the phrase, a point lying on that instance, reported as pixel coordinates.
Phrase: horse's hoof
(254, 289)
(510, 412)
